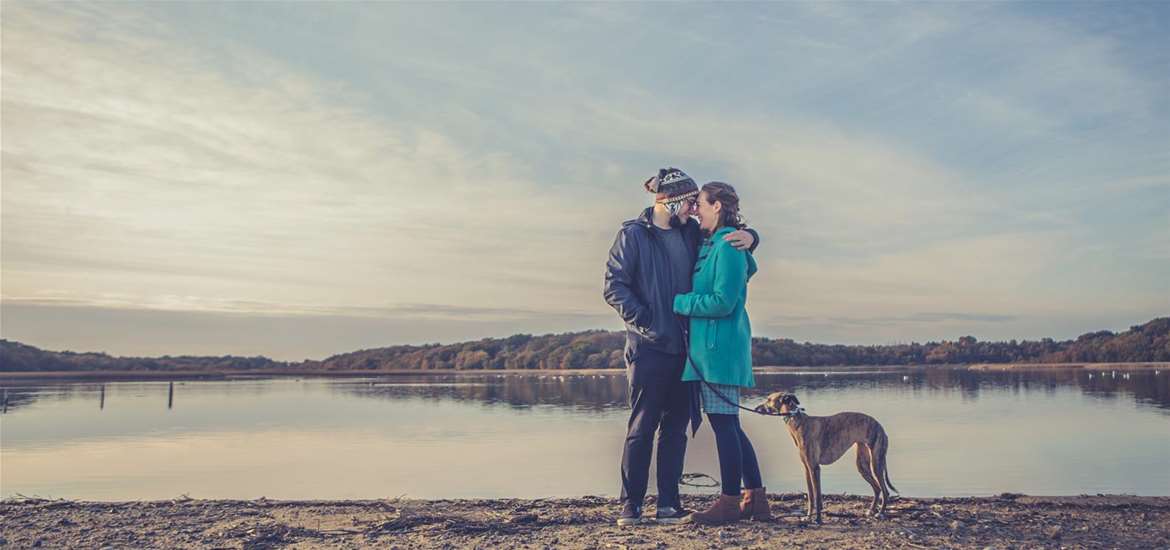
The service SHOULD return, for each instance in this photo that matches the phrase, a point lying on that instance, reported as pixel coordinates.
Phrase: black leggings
(737, 458)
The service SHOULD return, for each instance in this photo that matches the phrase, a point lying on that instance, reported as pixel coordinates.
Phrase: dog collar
(798, 412)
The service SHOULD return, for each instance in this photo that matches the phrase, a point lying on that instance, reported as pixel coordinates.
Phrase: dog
(821, 440)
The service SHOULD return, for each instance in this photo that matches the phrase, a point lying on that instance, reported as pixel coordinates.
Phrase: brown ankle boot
(754, 505)
(725, 510)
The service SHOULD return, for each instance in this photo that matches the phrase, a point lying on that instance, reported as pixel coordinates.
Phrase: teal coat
(721, 334)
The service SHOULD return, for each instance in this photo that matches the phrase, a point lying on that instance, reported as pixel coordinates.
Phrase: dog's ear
(790, 399)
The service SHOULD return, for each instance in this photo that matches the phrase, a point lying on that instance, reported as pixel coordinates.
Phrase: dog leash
(687, 353)
(689, 480)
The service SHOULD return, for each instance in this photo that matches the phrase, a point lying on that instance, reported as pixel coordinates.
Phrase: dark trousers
(737, 458)
(660, 402)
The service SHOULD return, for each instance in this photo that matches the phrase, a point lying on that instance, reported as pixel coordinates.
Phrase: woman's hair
(729, 216)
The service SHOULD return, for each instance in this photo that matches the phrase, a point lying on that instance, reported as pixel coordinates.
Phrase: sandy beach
(1005, 521)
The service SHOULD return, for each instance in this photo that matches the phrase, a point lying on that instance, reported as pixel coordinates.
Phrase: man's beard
(675, 209)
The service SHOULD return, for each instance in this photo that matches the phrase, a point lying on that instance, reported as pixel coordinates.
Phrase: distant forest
(18, 357)
(603, 349)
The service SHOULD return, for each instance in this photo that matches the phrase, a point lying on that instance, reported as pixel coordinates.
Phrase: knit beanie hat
(670, 187)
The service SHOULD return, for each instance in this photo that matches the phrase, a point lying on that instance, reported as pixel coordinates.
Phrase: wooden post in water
(102, 399)
(171, 396)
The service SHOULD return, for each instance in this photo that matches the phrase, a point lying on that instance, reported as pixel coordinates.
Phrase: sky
(297, 180)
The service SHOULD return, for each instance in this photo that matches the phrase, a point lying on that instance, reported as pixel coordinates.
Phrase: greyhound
(821, 440)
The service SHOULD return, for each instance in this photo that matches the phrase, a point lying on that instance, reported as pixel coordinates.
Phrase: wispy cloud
(405, 312)
(926, 317)
(178, 167)
(999, 164)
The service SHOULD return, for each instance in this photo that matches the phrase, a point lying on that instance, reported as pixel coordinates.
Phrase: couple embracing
(680, 285)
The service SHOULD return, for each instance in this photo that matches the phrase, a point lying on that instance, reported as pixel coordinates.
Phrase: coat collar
(720, 233)
(646, 219)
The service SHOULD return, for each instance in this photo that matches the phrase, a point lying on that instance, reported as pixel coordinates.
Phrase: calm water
(952, 432)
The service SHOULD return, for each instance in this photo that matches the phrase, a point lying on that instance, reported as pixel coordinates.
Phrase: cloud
(139, 162)
(968, 159)
(407, 311)
(928, 317)
(277, 333)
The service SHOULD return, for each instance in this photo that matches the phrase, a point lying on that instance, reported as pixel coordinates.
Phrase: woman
(720, 354)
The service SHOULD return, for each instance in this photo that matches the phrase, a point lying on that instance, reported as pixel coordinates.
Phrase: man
(651, 261)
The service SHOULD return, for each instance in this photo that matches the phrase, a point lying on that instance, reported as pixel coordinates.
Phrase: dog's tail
(886, 469)
(891, 485)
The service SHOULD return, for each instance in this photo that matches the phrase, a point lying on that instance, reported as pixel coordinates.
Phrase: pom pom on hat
(670, 185)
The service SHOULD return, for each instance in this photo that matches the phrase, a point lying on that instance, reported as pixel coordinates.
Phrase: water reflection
(608, 391)
(592, 392)
(953, 432)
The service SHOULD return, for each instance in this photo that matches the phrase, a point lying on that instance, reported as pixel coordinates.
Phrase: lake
(952, 432)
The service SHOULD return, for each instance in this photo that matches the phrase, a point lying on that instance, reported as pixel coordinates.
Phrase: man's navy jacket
(639, 283)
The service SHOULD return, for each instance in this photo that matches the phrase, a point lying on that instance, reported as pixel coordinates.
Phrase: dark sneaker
(631, 515)
(670, 515)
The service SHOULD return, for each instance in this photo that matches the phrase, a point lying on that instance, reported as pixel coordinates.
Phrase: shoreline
(584, 523)
(1083, 366)
(209, 374)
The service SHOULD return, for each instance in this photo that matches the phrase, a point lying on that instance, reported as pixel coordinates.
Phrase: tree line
(603, 349)
(18, 357)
